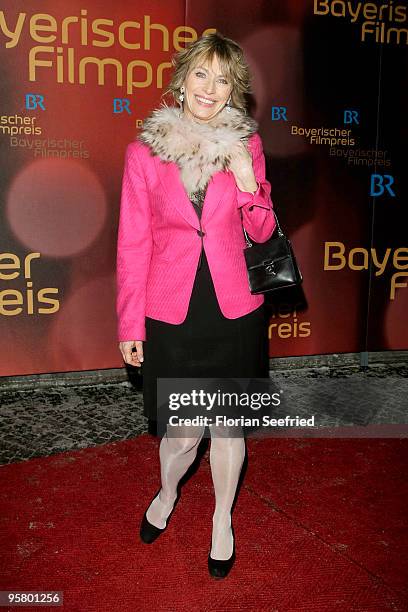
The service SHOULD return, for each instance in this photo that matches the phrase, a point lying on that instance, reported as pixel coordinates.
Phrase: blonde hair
(230, 56)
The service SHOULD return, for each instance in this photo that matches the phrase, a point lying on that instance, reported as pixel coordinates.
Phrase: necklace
(197, 197)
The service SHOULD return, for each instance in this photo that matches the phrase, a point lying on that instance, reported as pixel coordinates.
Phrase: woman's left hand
(241, 167)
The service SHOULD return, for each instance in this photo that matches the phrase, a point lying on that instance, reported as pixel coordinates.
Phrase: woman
(184, 305)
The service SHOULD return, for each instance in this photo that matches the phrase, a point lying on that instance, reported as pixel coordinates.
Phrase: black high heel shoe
(220, 568)
(148, 532)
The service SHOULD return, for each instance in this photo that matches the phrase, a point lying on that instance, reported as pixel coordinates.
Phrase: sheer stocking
(176, 456)
(227, 455)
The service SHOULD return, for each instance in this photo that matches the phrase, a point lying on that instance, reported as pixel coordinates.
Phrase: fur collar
(199, 149)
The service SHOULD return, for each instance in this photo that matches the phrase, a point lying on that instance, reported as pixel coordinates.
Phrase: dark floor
(39, 422)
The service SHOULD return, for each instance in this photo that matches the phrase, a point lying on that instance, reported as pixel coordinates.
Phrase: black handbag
(271, 265)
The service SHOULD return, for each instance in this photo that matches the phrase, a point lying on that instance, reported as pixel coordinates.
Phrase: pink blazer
(159, 241)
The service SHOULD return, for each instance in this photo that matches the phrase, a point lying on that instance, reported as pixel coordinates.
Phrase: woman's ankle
(222, 518)
(167, 497)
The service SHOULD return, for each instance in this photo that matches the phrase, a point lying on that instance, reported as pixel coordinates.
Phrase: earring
(228, 105)
(181, 98)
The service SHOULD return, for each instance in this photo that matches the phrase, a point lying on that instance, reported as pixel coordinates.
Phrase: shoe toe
(220, 568)
(148, 532)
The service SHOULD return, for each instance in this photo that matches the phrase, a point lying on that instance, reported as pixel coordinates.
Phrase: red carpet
(320, 525)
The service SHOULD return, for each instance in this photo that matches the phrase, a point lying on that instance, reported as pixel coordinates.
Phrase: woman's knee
(185, 440)
(226, 445)
(226, 433)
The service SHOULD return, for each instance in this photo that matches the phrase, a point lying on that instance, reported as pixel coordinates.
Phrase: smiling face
(206, 91)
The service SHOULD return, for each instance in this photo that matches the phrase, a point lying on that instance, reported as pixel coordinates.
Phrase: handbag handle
(248, 240)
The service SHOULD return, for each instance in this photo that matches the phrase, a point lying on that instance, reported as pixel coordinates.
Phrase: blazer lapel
(170, 178)
(218, 186)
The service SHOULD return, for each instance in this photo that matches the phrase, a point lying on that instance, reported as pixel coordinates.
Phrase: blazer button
(250, 208)
(200, 233)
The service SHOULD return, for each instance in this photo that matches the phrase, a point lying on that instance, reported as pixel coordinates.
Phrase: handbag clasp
(270, 268)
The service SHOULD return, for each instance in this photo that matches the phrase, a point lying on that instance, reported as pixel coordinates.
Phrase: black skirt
(205, 345)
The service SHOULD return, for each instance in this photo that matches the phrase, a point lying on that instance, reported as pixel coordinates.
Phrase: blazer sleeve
(257, 208)
(134, 249)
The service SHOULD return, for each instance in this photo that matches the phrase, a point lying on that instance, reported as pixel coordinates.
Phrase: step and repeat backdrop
(330, 97)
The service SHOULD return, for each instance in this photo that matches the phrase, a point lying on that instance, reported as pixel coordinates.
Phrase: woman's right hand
(133, 358)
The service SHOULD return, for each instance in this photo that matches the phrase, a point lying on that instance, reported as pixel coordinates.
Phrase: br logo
(33, 101)
(120, 105)
(279, 113)
(351, 116)
(380, 183)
